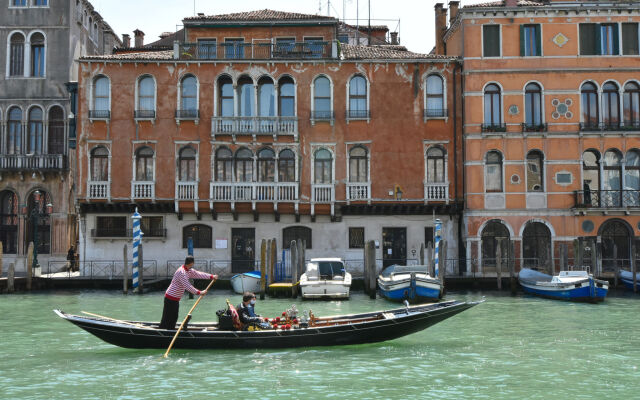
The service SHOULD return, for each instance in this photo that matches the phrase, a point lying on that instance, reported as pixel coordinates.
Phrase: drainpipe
(461, 244)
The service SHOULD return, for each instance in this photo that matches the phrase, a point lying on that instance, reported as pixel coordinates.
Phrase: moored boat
(567, 285)
(361, 328)
(246, 282)
(409, 282)
(325, 278)
(627, 279)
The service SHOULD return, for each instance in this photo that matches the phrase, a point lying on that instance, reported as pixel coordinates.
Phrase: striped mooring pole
(436, 245)
(137, 238)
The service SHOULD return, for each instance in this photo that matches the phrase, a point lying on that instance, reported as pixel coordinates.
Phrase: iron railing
(528, 127)
(317, 115)
(607, 198)
(358, 114)
(255, 51)
(187, 114)
(435, 113)
(99, 114)
(494, 127)
(144, 114)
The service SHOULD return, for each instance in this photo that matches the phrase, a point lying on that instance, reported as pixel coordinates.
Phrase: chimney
(394, 38)
(511, 3)
(139, 38)
(126, 41)
(441, 27)
(453, 11)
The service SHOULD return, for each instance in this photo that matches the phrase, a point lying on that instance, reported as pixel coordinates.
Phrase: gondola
(327, 331)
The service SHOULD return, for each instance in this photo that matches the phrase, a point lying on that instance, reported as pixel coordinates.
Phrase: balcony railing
(256, 51)
(358, 114)
(98, 190)
(144, 114)
(607, 198)
(436, 191)
(99, 114)
(527, 127)
(253, 191)
(494, 127)
(143, 189)
(435, 113)
(323, 193)
(631, 125)
(127, 233)
(358, 191)
(254, 126)
(187, 114)
(48, 162)
(186, 190)
(610, 126)
(322, 115)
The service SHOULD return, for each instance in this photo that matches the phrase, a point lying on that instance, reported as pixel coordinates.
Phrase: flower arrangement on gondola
(289, 320)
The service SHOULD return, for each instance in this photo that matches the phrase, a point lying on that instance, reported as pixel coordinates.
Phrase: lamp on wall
(398, 192)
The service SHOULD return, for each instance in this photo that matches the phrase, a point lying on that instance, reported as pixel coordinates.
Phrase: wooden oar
(117, 320)
(188, 317)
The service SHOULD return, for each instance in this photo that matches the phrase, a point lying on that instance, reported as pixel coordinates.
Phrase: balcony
(254, 126)
(323, 193)
(98, 190)
(435, 113)
(607, 127)
(256, 51)
(358, 191)
(186, 190)
(436, 192)
(100, 115)
(607, 198)
(253, 191)
(317, 116)
(631, 126)
(355, 115)
(144, 115)
(143, 190)
(187, 115)
(528, 127)
(494, 128)
(40, 162)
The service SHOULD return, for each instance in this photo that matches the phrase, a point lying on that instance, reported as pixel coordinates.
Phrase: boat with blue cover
(627, 279)
(567, 285)
(409, 282)
(246, 282)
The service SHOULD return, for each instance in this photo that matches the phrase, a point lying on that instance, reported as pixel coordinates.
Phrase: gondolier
(179, 284)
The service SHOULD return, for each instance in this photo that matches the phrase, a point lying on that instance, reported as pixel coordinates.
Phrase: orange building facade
(263, 125)
(551, 131)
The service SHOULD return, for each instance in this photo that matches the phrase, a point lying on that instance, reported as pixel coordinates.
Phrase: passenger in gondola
(179, 284)
(247, 314)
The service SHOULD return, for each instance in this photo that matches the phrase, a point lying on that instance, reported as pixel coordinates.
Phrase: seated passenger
(246, 310)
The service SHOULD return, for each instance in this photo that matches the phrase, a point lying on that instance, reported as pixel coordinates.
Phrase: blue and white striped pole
(137, 238)
(436, 247)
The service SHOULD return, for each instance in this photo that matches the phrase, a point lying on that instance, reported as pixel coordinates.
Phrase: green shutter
(598, 44)
(522, 52)
(616, 41)
(538, 41)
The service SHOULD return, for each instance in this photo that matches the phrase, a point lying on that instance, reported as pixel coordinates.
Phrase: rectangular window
(111, 227)
(207, 49)
(37, 60)
(599, 39)
(356, 238)
(294, 233)
(609, 39)
(16, 67)
(234, 48)
(39, 3)
(152, 227)
(530, 41)
(491, 40)
(630, 39)
(285, 46)
(19, 3)
(314, 46)
(588, 40)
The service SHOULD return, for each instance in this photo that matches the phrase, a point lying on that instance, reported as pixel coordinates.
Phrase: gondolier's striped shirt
(180, 283)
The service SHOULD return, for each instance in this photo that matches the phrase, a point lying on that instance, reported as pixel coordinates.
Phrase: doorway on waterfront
(394, 246)
(37, 204)
(616, 245)
(494, 233)
(243, 249)
(536, 246)
(9, 221)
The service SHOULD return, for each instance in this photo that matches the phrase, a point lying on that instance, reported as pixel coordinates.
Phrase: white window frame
(348, 99)
(312, 89)
(444, 95)
(179, 97)
(155, 96)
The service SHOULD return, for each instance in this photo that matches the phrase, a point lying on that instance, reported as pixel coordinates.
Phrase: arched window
(612, 179)
(35, 134)
(292, 233)
(55, 136)
(245, 97)
(201, 235)
(189, 97)
(16, 55)
(286, 97)
(493, 172)
(266, 97)
(532, 106)
(435, 97)
(144, 164)
(37, 55)
(224, 162)
(225, 93)
(492, 107)
(187, 164)
(632, 105)
(589, 96)
(323, 163)
(286, 166)
(616, 245)
(435, 165)
(610, 106)
(9, 221)
(100, 164)
(632, 179)
(322, 108)
(14, 131)
(266, 165)
(535, 175)
(494, 234)
(358, 98)
(146, 98)
(591, 177)
(101, 101)
(536, 245)
(244, 165)
(358, 164)
(38, 200)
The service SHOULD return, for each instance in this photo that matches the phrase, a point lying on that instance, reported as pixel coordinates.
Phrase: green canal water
(506, 348)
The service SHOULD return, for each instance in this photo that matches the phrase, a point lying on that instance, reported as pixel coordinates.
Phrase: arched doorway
(38, 201)
(616, 245)
(493, 233)
(536, 246)
(9, 221)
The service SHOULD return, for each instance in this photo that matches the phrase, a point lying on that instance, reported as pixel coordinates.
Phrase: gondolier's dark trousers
(169, 314)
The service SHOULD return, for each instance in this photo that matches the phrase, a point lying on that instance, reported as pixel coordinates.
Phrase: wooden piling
(442, 259)
(634, 267)
(1, 253)
(125, 270)
(302, 247)
(365, 269)
(577, 253)
(512, 275)
(29, 266)
(293, 255)
(263, 269)
(594, 257)
(140, 269)
(268, 263)
(499, 263)
(421, 253)
(429, 259)
(11, 274)
(274, 258)
(372, 275)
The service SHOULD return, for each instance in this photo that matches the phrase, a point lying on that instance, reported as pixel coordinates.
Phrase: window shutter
(538, 41)
(522, 51)
(598, 44)
(616, 40)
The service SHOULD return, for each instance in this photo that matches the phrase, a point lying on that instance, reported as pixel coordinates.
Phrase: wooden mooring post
(273, 259)
(634, 267)
(499, 263)
(293, 255)
(11, 276)
(125, 270)
(370, 268)
(29, 267)
(421, 253)
(442, 260)
(512, 275)
(268, 264)
(1, 254)
(429, 260)
(263, 269)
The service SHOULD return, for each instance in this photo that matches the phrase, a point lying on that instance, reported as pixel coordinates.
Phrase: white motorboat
(325, 278)
(246, 282)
